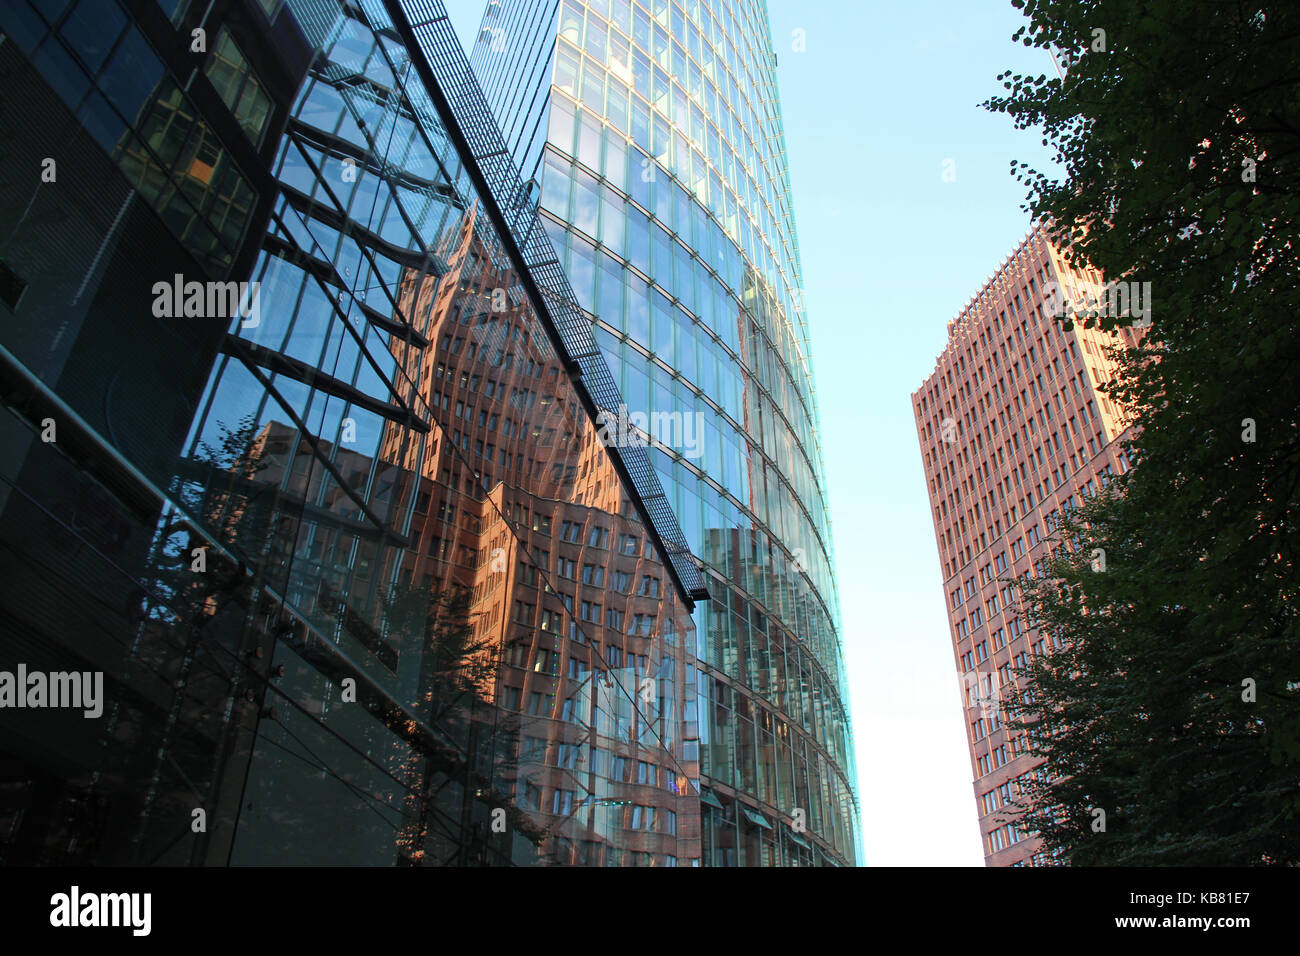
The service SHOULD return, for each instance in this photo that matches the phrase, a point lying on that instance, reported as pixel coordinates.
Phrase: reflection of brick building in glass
(519, 505)
(1013, 432)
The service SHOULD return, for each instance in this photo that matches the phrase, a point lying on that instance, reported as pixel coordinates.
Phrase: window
(597, 537)
(649, 586)
(238, 87)
(593, 574)
(570, 756)
(532, 796)
(997, 840)
(517, 652)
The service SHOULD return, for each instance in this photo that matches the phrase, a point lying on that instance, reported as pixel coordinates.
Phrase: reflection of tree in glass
(216, 488)
(456, 786)
(212, 490)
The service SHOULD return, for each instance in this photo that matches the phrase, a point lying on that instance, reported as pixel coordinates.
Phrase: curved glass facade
(653, 135)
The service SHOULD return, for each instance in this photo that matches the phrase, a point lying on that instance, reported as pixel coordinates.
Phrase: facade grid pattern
(1013, 431)
(664, 187)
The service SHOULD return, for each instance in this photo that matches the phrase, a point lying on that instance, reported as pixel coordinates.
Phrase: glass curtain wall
(356, 567)
(662, 179)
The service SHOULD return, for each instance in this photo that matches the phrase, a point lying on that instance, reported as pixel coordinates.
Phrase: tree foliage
(1174, 703)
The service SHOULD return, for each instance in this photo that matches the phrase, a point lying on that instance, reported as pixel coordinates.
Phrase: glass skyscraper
(650, 133)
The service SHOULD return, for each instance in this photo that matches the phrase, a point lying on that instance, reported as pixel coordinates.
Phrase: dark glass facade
(651, 132)
(364, 582)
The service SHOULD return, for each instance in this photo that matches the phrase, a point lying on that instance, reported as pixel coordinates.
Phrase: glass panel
(365, 595)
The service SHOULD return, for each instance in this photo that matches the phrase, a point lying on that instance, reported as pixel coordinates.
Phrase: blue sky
(881, 96)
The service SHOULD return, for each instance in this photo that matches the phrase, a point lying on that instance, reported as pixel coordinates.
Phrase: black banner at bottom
(203, 907)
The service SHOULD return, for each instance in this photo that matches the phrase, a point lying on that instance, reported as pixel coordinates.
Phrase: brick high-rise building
(1013, 430)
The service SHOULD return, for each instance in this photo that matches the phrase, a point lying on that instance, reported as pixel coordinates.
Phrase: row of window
(1003, 837)
(594, 575)
(525, 612)
(997, 757)
(637, 817)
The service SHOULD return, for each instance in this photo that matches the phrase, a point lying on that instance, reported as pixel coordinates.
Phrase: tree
(1173, 704)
